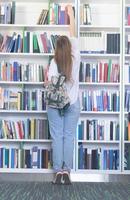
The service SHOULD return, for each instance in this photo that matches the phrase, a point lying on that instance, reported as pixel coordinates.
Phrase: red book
(128, 18)
(100, 72)
(44, 43)
(105, 71)
(20, 130)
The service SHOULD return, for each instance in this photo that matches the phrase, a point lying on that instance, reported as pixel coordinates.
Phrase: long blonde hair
(63, 56)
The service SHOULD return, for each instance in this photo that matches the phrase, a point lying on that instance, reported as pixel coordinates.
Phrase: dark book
(111, 130)
(80, 156)
(108, 43)
(85, 158)
(94, 164)
(44, 160)
(87, 77)
(13, 12)
(81, 72)
(27, 158)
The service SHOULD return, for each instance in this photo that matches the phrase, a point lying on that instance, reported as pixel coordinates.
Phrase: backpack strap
(61, 73)
(58, 68)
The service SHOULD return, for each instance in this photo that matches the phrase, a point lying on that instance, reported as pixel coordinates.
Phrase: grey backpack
(56, 94)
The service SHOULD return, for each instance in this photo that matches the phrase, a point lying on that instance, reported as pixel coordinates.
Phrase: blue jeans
(63, 131)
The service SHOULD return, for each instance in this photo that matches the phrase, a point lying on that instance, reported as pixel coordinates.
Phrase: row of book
(85, 14)
(103, 159)
(57, 14)
(25, 158)
(99, 42)
(22, 100)
(34, 99)
(24, 129)
(99, 100)
(16, 71)
(28, 42)
(98, 130)
(7, 12)
(99, 72)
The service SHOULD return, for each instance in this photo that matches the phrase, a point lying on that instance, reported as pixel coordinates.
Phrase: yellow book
(4, 129)
(32, 129)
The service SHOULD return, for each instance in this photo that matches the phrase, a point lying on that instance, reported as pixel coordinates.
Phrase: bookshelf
(95, 148)
(126, 89)
(26, 150)
(108, 20)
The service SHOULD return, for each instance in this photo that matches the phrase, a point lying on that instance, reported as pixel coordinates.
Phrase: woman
(63, 128)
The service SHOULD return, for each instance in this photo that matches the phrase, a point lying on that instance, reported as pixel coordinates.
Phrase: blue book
(110, 159)
(89, 102)
(15, 65)
(16, 43)
(1, 157)
(93, 75)
(118, 102)
(6, 158)
(101, 101)
(79, 132)
(62, 17)
(38, 162)
(98, 101)
(117, 131)
(108, 102)
(12, 157)
(18, 72)
(80, 158)
(104, 159)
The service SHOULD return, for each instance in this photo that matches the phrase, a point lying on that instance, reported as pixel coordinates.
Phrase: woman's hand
(72, 20)
(70, 10)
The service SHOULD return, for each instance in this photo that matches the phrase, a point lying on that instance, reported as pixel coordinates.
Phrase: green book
(35, 44)
(24, 41)
(6, 158)
(49, 5)
(109, 70)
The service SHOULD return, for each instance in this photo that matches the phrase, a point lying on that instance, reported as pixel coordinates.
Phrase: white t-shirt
(72, 87)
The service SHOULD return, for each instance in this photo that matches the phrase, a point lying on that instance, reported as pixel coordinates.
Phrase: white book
(40, 43)
(84, 130)
(31, 72)
(37, 73)
(31, 42)
(94, 100)
(126, 73)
